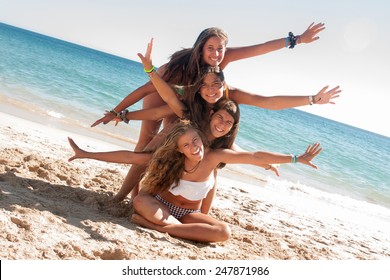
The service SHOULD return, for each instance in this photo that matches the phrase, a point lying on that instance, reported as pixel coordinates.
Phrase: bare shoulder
(217, 154)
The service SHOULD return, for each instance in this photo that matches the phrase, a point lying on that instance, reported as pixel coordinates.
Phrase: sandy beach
(53, 209)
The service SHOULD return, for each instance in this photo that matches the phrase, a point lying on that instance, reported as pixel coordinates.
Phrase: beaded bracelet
(115, 113)
(292, 39)
(294, 158)
(150, 70)
(123, 116)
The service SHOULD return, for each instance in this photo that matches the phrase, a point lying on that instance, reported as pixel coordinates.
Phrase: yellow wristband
(150, 70)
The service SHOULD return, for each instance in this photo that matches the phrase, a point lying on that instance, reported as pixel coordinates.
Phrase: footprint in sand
(20, 223)
(112, 254)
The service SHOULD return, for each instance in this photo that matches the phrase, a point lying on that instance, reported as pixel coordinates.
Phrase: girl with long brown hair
(180, 174)
(184, 68)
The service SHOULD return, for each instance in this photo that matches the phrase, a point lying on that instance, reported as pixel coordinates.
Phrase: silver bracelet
(311, 100)
(115, 113)
(294, 158)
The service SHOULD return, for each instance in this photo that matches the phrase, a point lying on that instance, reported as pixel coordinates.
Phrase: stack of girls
(173, 173)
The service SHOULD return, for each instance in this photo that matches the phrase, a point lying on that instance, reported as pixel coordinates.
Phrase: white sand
(53, 209)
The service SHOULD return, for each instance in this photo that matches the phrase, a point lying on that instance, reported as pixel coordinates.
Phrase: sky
(352, 51)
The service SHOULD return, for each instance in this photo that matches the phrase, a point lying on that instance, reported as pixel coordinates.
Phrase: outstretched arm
(324, 96)
(261, 158)
(233, 54)
(165, 90)
(270, 167)
(152, 114)
(113, 157)
(129, 100)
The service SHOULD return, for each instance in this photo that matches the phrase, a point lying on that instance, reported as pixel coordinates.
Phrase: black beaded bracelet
(292, 39)
(123, 116)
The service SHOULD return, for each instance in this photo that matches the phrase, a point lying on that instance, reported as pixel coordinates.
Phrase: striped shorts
(176, 211)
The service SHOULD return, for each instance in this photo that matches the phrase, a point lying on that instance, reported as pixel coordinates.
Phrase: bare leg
(133, 177)
(131, 180)
(149, 130)
(200, 227)
(195, 226)
(153, 210)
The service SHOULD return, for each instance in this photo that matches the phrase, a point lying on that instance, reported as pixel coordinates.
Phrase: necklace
(193, 169)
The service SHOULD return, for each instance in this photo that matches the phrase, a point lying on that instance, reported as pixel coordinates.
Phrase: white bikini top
(193, 190)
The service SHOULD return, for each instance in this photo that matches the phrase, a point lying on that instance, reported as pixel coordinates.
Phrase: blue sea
(67, 85)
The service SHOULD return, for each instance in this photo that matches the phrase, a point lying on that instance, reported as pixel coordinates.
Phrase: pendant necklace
(193, 169)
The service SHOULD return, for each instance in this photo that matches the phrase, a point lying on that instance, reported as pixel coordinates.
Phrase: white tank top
(193, 190)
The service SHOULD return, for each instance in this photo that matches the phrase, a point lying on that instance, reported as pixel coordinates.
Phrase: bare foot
(138, 219)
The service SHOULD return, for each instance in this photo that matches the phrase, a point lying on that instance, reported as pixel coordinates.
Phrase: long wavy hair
(196, 106)
(167, 164)
(185, 65)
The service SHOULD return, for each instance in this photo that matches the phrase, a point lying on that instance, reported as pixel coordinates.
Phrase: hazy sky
(352, 52)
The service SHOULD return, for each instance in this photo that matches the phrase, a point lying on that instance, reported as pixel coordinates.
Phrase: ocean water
(64, 83)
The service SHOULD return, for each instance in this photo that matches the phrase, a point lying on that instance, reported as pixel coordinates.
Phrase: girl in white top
(198, 101)
(184, 157)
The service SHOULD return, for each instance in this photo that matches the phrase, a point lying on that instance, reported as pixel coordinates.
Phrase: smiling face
(212, 88)
(213, 51)
(191, 145)
(221, 123)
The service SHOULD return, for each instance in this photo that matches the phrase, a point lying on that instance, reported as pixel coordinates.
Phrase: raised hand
(310, 34)
(325, 96)
(311, 152)
(147, 59)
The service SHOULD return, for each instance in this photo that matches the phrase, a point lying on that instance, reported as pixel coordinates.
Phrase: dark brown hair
(195, 104)
(184, 67)
(226, 141)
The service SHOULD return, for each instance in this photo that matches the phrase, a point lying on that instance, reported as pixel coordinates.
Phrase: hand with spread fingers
(311, 152)
(326, 96)
(310, 34)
